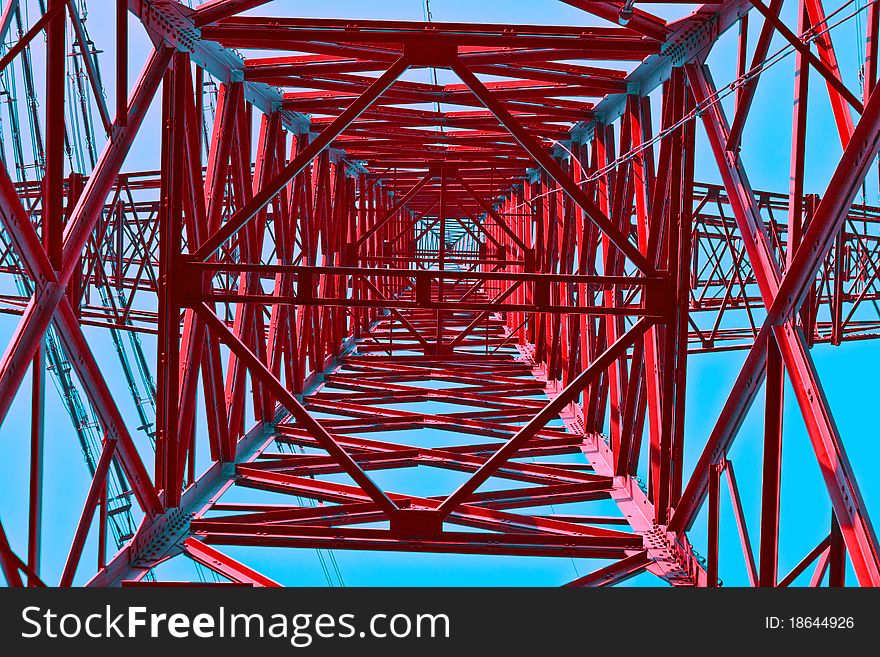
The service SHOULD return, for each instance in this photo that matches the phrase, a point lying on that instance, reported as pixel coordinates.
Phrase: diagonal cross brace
(301, 161)
(546, 161)
(49, 301)
(509, 449)
(260, 372)
(781, 296)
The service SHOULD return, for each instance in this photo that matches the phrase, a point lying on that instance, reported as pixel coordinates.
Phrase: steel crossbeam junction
(430, 287)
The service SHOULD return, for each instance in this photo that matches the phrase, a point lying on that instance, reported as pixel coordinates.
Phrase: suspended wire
(861, 56)
(807, 37)
(426, 10)
(79, 138)
(333, 568)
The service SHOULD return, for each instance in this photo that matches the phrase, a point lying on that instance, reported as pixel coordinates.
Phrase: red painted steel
(350, 274)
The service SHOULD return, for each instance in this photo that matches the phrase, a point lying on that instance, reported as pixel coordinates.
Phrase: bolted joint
(435, 349)
(661, 296)
(430, 53)
(350, 255)
(188, 285)
(417, 523)
(542, 294)
(530, 259)
(423, 290)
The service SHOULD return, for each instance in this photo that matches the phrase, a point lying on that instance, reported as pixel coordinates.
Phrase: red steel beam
(27, 243)
(620, 240)
(290, 402)
(225, 565)
(77, 232)
(335, 192)
(303, 159)
(551, 410)
(778, 293)
(772, 469)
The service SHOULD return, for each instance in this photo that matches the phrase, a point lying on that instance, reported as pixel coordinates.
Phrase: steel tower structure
(347, 273)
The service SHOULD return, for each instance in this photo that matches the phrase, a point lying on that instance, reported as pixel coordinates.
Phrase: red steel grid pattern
(541, 261)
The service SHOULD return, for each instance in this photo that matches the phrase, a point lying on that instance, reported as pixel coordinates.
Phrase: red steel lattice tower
(500, 273)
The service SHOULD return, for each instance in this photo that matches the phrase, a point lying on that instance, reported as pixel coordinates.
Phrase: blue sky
(848, 371)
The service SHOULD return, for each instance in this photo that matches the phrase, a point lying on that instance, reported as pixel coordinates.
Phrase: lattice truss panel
(350, 310)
